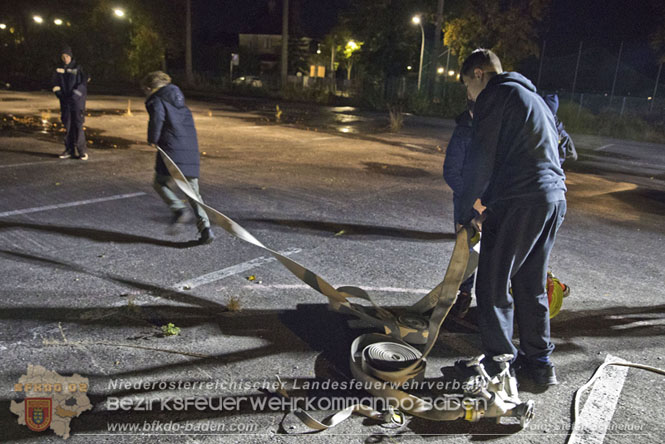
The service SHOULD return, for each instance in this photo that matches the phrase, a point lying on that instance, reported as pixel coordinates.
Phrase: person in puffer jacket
(70, 87)
(171, 127)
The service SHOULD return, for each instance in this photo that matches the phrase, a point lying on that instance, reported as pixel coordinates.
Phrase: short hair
(480, 58)
(156, 79)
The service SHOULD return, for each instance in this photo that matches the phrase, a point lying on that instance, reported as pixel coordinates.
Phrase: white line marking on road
(595, 418)
(70, 204)
(301, 286)
(411, 145)
(604, 146)
(11, 165)
(323, 138)
(230, 271)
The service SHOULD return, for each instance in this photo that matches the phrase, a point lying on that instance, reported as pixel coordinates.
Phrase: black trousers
(72, 118)
(514, 251)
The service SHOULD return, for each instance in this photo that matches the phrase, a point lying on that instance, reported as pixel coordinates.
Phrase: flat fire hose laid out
(385, 362)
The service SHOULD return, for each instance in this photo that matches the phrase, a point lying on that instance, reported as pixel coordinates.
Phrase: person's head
(477, 70)
(66, 55)
(155, 80)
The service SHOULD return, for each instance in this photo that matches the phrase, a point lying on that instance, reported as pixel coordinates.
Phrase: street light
(416, 21)
(118, 12)
(3, 26)
(440, 70)
(38, 19)
(451, 73)
(57, 22)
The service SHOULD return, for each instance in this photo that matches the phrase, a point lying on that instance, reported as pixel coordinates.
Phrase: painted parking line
(232, 270)
(70, 204)
(594, 419)
(303, 286)
(604, 146)
(12, 165)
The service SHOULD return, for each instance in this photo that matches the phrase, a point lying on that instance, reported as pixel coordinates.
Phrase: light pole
(416, 21)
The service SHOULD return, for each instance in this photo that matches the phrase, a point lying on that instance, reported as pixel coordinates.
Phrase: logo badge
(38, 413)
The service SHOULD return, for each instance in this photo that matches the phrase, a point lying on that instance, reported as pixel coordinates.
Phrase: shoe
(206, 236)
(179, 217)
(542, 373)
(84, 157)
(65, 155)
(462, 304)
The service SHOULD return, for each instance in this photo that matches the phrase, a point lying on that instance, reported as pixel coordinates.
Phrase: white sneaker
(65, 155)
(84, 157)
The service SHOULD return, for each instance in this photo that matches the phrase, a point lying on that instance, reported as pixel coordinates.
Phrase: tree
(510, 28)
(350, 54)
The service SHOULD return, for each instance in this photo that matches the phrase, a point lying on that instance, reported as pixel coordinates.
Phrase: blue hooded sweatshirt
(513, 156)
(171, 127)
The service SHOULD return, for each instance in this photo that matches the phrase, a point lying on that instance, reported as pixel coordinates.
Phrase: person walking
(171, 127)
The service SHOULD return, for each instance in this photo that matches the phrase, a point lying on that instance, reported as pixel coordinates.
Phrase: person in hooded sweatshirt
(512, 164)
(70, 86)
(171, 127)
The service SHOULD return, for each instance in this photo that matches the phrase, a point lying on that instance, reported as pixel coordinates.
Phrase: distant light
(3, 26)
(119, 12)
(451, 73)
(416, 19)
(38, 19)
(345, 129)
(649, 98)
(440, 70)
(352, 44)
(58, 22)
(318, 51)
(457, 76)
(409, 67)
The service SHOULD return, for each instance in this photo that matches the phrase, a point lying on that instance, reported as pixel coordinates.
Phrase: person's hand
(477, 222)
(478, 206)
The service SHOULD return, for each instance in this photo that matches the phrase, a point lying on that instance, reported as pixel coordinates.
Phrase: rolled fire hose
(383, 360)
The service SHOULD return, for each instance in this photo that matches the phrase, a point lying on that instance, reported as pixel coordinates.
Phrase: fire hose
(388, 361)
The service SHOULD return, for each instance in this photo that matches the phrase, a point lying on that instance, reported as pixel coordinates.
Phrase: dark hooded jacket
(455, 154)
(171, 127)
(566, 146)
(513, 155)
(70, 85)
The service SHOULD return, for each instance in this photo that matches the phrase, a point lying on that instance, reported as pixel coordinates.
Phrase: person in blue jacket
(452, 174)
(70, 86)
(171, 127)
(566, 146)
(512, 164)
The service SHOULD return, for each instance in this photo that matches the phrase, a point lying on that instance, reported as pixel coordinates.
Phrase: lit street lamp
(57, 22)
(118, 12)
(416, 21)
(38, 19)
(3, 26)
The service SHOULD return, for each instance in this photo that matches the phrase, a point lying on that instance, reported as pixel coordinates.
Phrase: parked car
(253, 81)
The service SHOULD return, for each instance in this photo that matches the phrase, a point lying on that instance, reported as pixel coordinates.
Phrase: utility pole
(188, 44)
(540, 66)
(655, 87)
(616, 72)
(577, 67)
(438, 44)
(285, 42)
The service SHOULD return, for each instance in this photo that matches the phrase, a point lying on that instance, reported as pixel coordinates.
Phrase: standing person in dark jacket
(452, 174)
(70, 86)
(171, 127)
(566, 146)
(513, 166)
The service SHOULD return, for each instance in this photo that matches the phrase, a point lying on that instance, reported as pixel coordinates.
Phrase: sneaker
(84, 157)
(65, 155)
(462, 304)
(206, 236)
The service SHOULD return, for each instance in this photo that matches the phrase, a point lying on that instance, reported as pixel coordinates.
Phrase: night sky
(599, 23)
